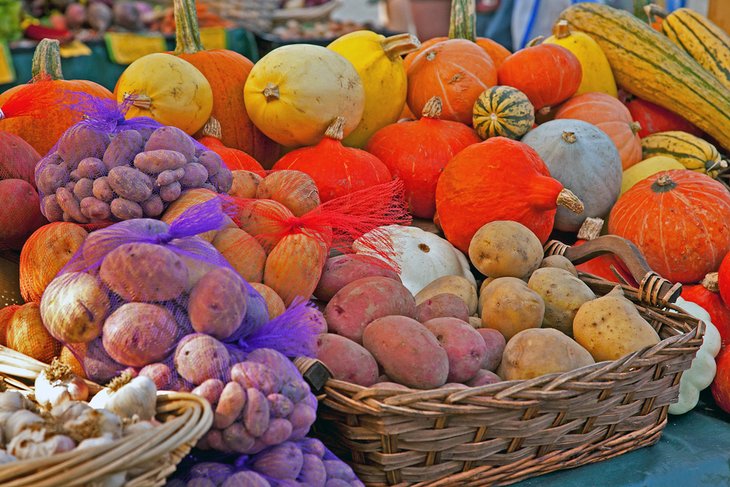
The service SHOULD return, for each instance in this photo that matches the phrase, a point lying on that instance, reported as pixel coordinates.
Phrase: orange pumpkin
(43, 132)
(226, 71)
(678, 219)
(294, 266)
(234, 159)
(610, 115)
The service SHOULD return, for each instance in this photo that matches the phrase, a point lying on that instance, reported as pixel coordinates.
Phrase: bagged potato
(106, 168)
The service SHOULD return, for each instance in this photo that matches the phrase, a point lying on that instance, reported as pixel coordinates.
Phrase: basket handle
(653, 288)
(315, 372)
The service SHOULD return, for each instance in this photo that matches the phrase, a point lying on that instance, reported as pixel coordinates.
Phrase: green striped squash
(503, 111)
(694, 153)
(649, 65)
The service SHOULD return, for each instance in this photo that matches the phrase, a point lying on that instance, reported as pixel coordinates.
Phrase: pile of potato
(533, 316)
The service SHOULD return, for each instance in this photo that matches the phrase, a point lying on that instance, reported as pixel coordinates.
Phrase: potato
(243, 252)
(102, 191)
(279, 431)
(407, 351)
(217, 303)
(362, 301)
(460, 286)
(495, 343)
(347, 360)
(274, 303)
(130, 183)
(563, 294)
(237, 439)
(51, 178)
(70, 205)
(221, 181)
(509, 306)
(483, 378)
(160, 374)
(256, 412)
(211, 161)
(94, 209)
(505, 249)
(464, 347)
(144, 272)
(137, 334)
(122, 149)
(184, 201)
(245, 184)
(124, 209)
(98, 365)
(561, 262)
(83, 188)
(210, 390)
(341, 270)
(280, 406)
(442, 306)
(294, 189)
(74, 307)
(170, 192)
(200, 357)
(26, 334)
(230, 405)
(539, 351)
(157, 161)
(91, 168)
(81, 141)
(152, 208)
(51, 209)
(195, 175)
(20, 213)
(171, 138)
(262, 220)
(611, 327)
(258, 376)
(169, 176)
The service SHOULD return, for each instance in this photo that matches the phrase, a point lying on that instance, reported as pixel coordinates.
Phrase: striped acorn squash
(694, 153)
(652, 67)
(503, 111)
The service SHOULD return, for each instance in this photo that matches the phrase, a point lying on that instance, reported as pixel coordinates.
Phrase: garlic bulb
(93, 423)
(6, 457)
(58, 384)
(138, 427)
(38, 444)
(11, 401)
(128, 397)
(69, 410)
(113, 480)
(18, 421)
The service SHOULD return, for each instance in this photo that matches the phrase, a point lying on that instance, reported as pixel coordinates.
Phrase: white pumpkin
(422, 256)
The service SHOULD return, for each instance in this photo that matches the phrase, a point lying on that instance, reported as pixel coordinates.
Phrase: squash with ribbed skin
(502, 111)
(652, 67)
(694, 153)
(234, 159)
(597, 75)
(647, 167)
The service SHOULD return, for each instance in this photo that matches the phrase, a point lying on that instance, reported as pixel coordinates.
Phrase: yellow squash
(647, 167)
(692, 152)
(597, 75)
(378, 61)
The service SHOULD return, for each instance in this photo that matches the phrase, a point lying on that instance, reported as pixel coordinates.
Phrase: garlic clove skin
(57, 384)
(36, 444)
(6, 457)
(18, 421)
(11, 401)
(127, 397)
(94, 423)
(69, 410)
(78, 389)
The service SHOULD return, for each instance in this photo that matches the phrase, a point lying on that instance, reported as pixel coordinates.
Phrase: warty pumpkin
(649, 65)
(43, 132)
(694, 153)
(610, 115)
(498, 179)
(502, 111)
(337, 170)
(654, 118)
(226, 71)
(234, 159)
(707, 295)
(417, 152)
(678, 219)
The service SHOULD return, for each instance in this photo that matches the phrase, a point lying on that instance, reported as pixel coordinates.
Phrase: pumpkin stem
(569, 200)
(711, 282)
(635, 127)
(663, 184)
(47, 60)
(537, 40)
(400, 45)
(271, 92)
(569, 137)
(463, 24)
(122, 380)
(212, 128)
(142, 102)
(187, 33)
(432, 108)
(336, 130)
(561, 29)
(591, 229)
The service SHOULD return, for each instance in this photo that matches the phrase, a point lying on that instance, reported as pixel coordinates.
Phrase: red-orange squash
(234, 159)
(417, 152)
(547, 73)
(498, 179)
(679, 220)
(337, 170)
(707, 295)
(610, 115)
(654, 118)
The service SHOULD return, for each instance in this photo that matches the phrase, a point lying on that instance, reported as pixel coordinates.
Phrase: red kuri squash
(418, 151)
(654, 118)
(610, 115)
(234, 159)
(547, 73)
(337, 170)
(498, 179)
(724, 279)
(707, 295)
(678, 219)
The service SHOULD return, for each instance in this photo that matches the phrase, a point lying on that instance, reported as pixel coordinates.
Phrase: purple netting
(106, 168)
(306, 462)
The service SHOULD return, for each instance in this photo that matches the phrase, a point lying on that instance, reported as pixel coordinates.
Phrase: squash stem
(271, 92)
(143, 102)
(400, 45)
(432, 108)
(635, 127)
(711, 282)
(187, 33)
(212, 128)
(654, 12)
(569, 137)
(47, 60)
(463, 24)
(570, 201)
(561, 29)
(591, 229)
(336, 130)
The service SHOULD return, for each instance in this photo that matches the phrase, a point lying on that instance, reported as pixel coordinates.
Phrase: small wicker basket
(502, 433)
(149, 457)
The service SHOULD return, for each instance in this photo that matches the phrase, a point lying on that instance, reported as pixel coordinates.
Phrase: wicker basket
(149, 457)
(505, 432)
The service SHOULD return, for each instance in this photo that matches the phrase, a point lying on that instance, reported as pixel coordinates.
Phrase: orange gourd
(678, 219)
(498, 179)
(417, 152)
(707, 295)
(610, 115)
(337, 170)
(234, 159)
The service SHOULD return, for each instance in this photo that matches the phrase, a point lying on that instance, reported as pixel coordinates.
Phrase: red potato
(210, 390)
(442, 306)
(463, 344)
(341, 270)
(347, 360)
(218, 303)
(483, 378)
(160, 374)
(495, 342)
(20, 213)
(230, 405)
(245, 184)
(200, 357)
(407, 351)
(360, 302)
(243, 253)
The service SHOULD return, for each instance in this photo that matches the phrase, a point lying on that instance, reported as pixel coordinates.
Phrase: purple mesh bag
(106, 168)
